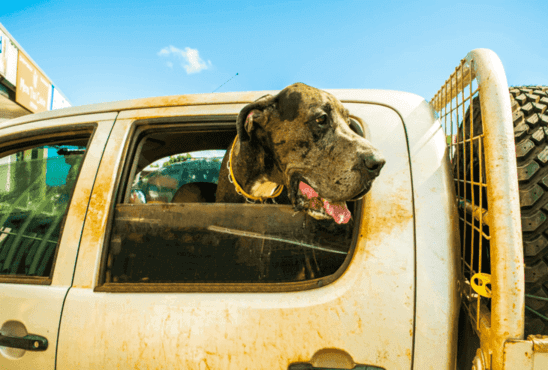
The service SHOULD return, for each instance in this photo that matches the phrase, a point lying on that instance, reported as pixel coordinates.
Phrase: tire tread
(532, 105)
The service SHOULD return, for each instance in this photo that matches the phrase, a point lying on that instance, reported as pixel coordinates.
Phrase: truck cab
(100, 267)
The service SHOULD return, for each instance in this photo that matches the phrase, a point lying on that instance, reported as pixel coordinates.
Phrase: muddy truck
(441, 265)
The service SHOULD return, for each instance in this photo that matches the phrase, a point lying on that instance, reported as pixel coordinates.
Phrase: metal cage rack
(474, 110)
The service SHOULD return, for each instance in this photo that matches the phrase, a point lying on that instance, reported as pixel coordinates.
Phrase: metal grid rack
(457, 104)
(474, 110)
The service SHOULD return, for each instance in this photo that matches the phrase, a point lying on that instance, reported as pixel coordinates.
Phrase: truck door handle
(309, 366)
(29, 342)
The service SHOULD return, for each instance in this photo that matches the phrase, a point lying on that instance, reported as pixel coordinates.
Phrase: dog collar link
(239, 190)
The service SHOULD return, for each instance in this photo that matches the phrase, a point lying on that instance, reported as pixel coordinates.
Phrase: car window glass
(36, 185)
(170, 229)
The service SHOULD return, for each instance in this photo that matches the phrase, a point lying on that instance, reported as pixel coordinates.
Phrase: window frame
(127, 172)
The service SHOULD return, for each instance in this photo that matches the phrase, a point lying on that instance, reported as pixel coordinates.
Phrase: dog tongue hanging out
(339, 211)
(300, 145)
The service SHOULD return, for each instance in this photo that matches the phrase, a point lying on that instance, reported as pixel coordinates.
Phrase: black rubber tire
(530, 116)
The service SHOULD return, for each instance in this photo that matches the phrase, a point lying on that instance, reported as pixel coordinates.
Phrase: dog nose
(374, 162)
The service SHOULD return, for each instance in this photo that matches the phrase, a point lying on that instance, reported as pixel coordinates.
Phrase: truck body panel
(394, 306)
(33, 305)
(254, 330)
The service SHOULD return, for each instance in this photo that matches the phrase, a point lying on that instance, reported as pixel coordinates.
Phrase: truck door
(236, 286)
(47, 171)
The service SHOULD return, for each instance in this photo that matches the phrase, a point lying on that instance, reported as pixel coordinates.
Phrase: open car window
(168, 228)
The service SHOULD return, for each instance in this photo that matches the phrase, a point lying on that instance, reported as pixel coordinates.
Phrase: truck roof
(402, 102)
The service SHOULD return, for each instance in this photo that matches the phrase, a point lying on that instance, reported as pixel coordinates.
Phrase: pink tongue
(338, 211)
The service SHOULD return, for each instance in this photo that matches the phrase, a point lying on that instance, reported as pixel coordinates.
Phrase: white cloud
(192, 63)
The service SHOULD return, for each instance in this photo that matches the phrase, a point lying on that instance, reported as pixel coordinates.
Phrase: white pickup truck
(99, 269)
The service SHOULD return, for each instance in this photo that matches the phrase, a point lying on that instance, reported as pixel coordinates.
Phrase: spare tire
(529, 106)
(530, 117)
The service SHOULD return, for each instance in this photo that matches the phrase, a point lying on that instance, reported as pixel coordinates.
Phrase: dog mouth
(321, 208)
(305, 198)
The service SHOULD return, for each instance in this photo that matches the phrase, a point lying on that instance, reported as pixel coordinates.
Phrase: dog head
(307, 135)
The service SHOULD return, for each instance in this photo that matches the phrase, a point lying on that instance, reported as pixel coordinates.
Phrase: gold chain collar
(239, 189)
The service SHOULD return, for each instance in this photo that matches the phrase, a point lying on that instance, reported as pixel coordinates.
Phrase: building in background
(26, 89)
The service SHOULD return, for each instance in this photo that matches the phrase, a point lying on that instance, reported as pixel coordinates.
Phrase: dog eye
(322, 120)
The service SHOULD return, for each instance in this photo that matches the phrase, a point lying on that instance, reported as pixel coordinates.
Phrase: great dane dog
(301, 139)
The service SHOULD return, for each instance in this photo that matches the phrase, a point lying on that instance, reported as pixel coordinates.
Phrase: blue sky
(98, 51)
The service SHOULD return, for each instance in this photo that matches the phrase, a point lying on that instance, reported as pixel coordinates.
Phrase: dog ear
(251, 113)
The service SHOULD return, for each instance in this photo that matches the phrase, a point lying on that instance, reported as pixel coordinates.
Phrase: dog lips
(337, 210)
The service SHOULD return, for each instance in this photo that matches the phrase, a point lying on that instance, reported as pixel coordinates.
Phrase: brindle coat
(301, 134)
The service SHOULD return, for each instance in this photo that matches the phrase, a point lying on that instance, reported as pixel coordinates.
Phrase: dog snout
(374, 162)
